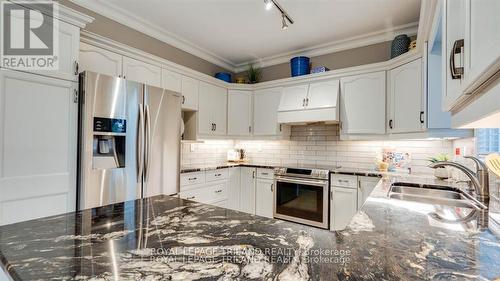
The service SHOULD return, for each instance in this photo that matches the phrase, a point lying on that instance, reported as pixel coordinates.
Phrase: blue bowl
(299, 66)
(224, 76)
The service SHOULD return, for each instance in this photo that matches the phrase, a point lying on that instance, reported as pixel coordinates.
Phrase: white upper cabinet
(484, 36)
(405, 98)
(323, 94)
(171, 80)
(140, 71)
(471, 53)
(294, 98)
(362, 104)
(239, 113)
(453, 50)
(265, 116)
(100, 60)
(212, 113)
(190, 90)
(38, 136)
(69, 41)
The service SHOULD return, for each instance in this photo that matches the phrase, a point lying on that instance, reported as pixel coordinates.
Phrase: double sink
(435, 195)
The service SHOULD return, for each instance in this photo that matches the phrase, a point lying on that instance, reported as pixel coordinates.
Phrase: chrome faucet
(479, 179)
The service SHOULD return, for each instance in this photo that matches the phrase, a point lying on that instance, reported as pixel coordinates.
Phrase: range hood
(310, 103)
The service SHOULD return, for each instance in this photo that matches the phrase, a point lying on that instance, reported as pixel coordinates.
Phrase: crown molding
(64, 13)
(335, 46)
(123, 17)
(126, 18)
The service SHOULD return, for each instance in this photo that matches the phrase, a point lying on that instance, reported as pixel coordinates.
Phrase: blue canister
(299, 66)
(224, 76)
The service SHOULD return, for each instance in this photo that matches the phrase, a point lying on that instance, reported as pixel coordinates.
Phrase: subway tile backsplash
(315, 145)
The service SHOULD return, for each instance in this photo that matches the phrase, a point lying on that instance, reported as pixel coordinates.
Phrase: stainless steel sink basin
(434, 194)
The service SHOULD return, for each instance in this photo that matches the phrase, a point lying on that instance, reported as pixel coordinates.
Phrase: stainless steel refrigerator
(129, 140)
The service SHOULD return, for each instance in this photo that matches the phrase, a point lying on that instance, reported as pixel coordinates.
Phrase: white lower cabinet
(365, 187)
(344, 205)
(38, 136)
(248, 186)
(264, 195)
(234, 189)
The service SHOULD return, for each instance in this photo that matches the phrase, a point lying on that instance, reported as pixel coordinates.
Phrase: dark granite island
(165, 238)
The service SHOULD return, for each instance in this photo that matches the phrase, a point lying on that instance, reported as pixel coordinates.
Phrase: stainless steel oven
(301, 195)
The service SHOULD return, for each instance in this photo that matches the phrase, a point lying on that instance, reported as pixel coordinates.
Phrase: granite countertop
(166, 238)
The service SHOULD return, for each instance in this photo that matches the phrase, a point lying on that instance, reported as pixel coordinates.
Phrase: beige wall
(353, 57)
(123, 34)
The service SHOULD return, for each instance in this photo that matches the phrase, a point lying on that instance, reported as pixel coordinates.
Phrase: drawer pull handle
(218, 191)
(190, 197)
(218, 175)
(192, 179)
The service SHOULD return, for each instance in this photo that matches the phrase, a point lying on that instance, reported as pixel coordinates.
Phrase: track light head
(284, 25)
(269, 4)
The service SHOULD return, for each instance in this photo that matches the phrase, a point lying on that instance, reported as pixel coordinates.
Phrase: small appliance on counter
(236, 155)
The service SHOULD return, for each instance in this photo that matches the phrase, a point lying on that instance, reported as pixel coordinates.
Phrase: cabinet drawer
(213, 193)
(215, 175)
(265, 173)
(192, 178)
(344, 181)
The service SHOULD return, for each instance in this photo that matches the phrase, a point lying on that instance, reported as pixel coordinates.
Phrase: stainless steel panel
(163, 123)
(108, 97)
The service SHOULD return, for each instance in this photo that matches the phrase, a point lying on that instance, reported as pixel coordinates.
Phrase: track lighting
(284, 25)
(284, 15)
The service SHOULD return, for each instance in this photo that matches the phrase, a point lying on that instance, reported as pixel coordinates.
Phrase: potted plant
(254, 74)
(443, 172)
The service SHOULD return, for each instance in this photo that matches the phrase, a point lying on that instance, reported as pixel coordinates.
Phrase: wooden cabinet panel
(264, 198)
(363, 103)
(142, 72)
(265, 115)
(405, 97)
(239, 114)
(343, 207)
(248, 183)
(190, 91)
(40, 174)
(100, 60)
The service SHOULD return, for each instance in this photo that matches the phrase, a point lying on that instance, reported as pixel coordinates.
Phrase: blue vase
(400, 45)
(299, 66)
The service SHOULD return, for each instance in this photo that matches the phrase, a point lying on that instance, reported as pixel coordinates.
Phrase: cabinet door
(189, 93)
(362, 104)
(171, 80)
(205, 109)
(484, 36)
(343, 207)
(219, 112)
(294, 98)
(365, 187)
(142, 72)
(454, 26)
(234, 189)
(248, 190)
(264, 197)
(323, 94)
(265, 112)
(69, 44)
(38, 129)
(239, 113)
(100, 60)
(405, 98)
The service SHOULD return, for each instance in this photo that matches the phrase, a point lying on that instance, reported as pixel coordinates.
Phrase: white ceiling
(232, 33)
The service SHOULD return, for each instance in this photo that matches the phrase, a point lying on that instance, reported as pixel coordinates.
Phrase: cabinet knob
(190, 197)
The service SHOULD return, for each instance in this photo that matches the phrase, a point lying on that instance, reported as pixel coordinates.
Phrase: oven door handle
(302, 181)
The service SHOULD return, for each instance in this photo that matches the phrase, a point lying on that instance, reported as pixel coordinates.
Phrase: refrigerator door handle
(147, 145)
(140, 144)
